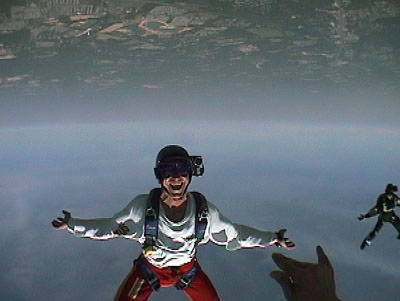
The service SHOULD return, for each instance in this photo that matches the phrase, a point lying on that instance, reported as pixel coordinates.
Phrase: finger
(284, 263)
(282, 232)
(60, 219)
(289, 244)
(322, 258)
(286, 244)
(122, 229)
(284, 281)
(67, 214)
(288, 264)
(57, 224)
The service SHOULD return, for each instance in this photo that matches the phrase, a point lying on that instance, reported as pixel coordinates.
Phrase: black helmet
(172, 153)
(390, 188)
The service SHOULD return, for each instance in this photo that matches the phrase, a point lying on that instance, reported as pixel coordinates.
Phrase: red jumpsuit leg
(201, 289)
(134, 287)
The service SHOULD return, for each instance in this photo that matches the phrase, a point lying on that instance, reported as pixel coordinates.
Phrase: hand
(282, 241)
(304, 281)
(361, 217)
(122, 229)
(61, 223)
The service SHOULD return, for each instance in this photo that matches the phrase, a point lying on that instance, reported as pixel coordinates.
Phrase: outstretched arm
(370, 213)
(235, 236)
(100, 229)
(127, 223)
(373, 211)
(250, 237)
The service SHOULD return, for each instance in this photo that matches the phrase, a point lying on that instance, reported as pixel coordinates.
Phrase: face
(175, 176)
(176, 186)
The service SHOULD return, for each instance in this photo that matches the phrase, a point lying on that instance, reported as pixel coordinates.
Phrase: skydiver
(384, 208)
(170, 223)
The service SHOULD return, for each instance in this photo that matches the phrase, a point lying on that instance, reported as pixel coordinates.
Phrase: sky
(295, 143)
(311, 178)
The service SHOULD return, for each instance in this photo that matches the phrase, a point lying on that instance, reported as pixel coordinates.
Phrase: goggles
(176, 168)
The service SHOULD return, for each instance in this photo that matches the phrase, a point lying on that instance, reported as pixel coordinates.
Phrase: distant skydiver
(170, 223)
(384, 208)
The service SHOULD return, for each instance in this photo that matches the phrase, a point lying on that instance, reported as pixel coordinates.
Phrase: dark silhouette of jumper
(384, 208)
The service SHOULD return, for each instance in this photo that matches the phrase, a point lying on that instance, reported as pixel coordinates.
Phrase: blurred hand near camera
(304, 281)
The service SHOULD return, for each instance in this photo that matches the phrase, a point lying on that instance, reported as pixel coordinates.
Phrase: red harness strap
(180, 277)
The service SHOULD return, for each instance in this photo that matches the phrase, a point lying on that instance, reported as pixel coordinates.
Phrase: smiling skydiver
(170, 223)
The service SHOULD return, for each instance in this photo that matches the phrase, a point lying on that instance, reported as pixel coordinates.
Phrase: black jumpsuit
(385, 208)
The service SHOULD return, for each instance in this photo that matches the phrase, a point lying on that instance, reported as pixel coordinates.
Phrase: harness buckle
(187, 279)
(184, 282)
(154, 283)
(151, 212)
(203, 214)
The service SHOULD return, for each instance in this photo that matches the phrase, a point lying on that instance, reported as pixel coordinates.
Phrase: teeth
(176, 187)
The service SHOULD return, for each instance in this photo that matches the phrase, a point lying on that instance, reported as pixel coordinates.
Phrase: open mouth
(176, 187)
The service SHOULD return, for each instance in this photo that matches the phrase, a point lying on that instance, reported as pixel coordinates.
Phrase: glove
(61, 223)
(122, 230)
(361, 217)
(282, 241)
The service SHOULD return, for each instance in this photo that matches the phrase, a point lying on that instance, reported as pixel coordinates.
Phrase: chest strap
(201, 215)
(152, 213)
(151, 218)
